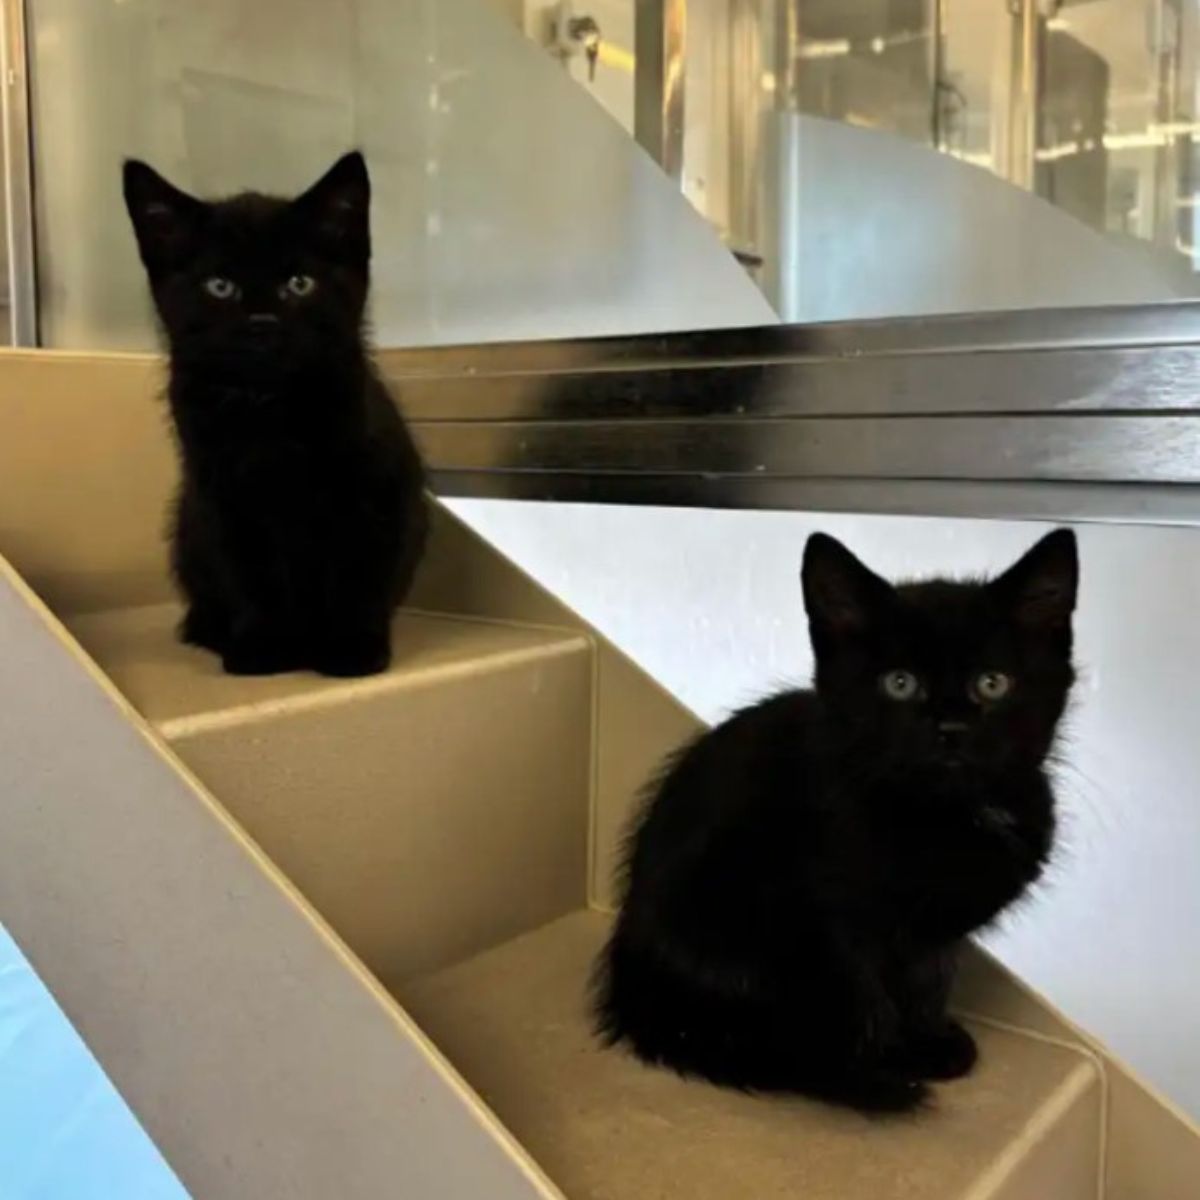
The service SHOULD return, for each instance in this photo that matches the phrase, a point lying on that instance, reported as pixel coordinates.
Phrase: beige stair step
(433, 815)
(1024, 1126)
(404, 806)
(181, 688)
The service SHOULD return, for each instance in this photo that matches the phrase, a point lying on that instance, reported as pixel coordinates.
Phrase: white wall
(710, 603)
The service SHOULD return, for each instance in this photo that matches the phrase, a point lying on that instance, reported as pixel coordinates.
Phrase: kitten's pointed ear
(165, 219)
(339, 204)
(841, 595)
(1040, 588)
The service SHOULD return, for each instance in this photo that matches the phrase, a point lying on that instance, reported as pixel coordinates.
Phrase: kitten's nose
(950, 733)
(261, 319)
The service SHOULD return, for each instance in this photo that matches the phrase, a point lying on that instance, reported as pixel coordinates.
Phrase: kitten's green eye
(220, 288)
(300, 285)
(991, 685)
(902, 686)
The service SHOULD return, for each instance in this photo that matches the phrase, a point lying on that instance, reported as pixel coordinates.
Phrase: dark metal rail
(1062, 415)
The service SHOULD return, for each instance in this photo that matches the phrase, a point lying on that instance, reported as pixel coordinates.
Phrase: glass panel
(556, 27)
(869, 63)
(1116, 143)
(975, 79)
(1088, 105)
(507, 204)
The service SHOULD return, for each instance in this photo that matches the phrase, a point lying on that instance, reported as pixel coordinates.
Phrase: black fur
(301, 517)
(802, 876)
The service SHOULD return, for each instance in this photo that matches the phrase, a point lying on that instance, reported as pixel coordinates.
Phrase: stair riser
(423, 822)
(260, 1058)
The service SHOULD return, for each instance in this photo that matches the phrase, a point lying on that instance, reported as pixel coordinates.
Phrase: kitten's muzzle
(951, 735)
(952, 730)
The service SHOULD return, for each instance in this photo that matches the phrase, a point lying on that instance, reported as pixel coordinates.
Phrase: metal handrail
(1089, 414)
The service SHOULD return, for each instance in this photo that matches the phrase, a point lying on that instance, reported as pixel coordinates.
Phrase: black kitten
(301, 517)
(800, 882)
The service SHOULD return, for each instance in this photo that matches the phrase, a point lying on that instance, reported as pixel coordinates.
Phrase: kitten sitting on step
(802, 877)
(301, 515)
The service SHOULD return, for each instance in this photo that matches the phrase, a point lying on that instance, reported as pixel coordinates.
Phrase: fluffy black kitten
(802, 877)
(301, 517)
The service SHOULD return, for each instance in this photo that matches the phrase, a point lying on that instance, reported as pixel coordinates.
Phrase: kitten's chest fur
(941, 858)
(790, 819)
(266, 449)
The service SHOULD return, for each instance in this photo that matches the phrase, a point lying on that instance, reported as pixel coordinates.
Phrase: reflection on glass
(1115, 117)
(511, 207)
(1118, 137)
(506, 203)
(866, 64)
(1089, 105)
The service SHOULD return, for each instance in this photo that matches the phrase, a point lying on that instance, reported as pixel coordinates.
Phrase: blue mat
(65, 1133)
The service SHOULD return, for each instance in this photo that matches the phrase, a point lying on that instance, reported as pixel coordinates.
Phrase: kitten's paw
(261, 657)
(204, 627)
(874, 1092)
(353, 656)
(946, 1053)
